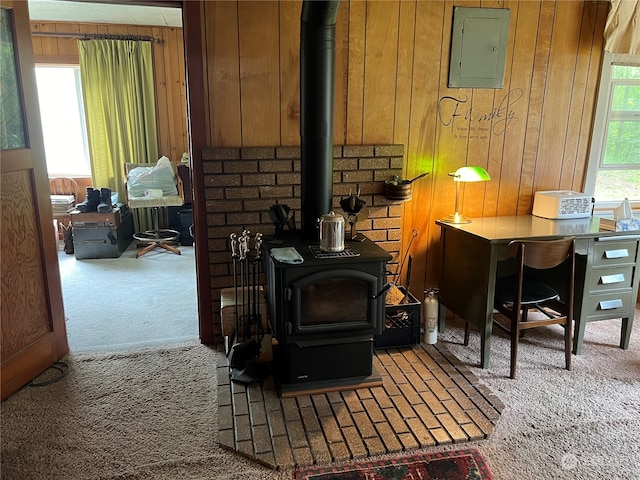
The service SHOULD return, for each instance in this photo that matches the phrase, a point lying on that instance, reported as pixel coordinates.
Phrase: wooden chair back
(542, 254)
(64, 186)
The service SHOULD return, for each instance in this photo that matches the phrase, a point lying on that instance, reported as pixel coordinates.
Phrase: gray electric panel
(478, 47)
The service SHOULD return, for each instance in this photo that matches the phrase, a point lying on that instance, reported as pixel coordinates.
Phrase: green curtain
(119, 99)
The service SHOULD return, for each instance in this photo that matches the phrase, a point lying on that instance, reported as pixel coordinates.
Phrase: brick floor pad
(427, 398)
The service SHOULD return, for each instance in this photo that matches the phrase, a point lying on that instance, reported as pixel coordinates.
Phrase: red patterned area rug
(466, 464)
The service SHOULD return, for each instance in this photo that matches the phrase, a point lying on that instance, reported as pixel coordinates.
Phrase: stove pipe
(317, 67)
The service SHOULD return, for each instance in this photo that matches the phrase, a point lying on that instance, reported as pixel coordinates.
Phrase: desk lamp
(465, 174)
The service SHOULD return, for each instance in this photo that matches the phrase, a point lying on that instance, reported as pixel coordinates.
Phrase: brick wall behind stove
(241, 184)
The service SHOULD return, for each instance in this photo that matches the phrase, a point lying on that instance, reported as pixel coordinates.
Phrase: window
(614, 162)
(63, 122)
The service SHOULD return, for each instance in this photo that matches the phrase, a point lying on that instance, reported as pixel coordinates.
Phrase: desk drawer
(608, 305)
(614, 253)
(603, 279)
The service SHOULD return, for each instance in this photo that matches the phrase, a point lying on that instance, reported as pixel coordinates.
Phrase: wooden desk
(607, 272)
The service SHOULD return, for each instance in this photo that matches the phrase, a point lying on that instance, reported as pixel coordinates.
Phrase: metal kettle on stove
(331, 232)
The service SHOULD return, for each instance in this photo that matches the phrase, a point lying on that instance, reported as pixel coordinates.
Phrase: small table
(607, 272)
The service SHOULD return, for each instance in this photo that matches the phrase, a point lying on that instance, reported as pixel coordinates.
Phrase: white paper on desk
(153, 193)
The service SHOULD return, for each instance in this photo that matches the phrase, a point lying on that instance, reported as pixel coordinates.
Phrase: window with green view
(618, 172)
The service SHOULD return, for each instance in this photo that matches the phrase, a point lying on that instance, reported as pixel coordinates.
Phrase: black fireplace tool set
(249, 332)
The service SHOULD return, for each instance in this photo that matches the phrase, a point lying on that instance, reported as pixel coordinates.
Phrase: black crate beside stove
(401, 324)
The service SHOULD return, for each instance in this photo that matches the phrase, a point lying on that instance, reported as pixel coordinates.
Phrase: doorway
(125, 303)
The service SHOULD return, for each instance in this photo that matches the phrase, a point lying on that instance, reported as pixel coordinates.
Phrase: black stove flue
(317, 72)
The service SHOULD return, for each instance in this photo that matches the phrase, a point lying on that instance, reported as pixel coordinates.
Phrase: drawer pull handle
(609, 279)
(621, 253)
(610, 304)
(95, 242)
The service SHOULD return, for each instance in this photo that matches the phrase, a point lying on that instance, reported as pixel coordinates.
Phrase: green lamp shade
(470, 174)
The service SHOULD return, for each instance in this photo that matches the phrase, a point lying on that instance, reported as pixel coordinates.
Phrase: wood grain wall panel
(342, 77)
(23, 287)
(578, 99)
(355, 91)
(404, 74)
(289, 44)
(424, 135)
(162, 93)
(102, 29)
(596, 17)
(223, 66)
(519, 72)
(557, 96)
(169, 72)
(48, 48)
(36, 41)
(381, 53)
(497, 128)
(182, 124)
(259, 72)
(176, 105)
(392, 63)
(67, 46)
(536, 99)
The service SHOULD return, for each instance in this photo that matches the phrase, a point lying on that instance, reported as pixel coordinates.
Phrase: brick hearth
(428, 398)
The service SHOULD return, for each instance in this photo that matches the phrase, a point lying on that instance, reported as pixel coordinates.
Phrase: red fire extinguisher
(430, 309)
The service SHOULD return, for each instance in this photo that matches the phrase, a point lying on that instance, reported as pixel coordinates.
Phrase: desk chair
(529, 289)
(158, 237)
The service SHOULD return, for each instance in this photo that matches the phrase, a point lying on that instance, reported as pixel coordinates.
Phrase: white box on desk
(562, 204)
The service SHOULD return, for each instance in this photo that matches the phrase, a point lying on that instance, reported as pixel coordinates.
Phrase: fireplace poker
(414, 234)
(257, 239)
(244, 278)
(234, 255)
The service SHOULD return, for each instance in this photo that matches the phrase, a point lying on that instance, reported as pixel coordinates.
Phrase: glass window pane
(617, 184)
(626, 98)
(622, 143)
(11, 116)
(625, 72)
(63, 126)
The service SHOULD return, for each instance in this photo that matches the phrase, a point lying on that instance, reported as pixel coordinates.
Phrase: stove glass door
(333, 301)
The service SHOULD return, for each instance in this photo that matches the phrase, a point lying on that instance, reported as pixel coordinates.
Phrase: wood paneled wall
(392, 62)
(169, 72)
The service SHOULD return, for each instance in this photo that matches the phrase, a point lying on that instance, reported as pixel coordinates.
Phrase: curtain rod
(98, 36)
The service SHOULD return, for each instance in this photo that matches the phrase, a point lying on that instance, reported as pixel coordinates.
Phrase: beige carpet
(579, 424)
(151, 414)
(128, 303)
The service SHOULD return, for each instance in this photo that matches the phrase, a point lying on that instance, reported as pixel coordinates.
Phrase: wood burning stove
(325, 312)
